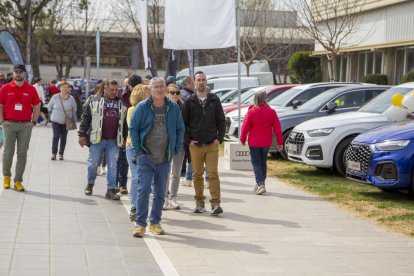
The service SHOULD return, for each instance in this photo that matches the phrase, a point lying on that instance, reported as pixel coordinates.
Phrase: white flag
(141, 6)
(199, 24)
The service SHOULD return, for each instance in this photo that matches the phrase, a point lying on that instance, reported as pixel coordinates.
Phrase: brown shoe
(89, 189)
(111, 194)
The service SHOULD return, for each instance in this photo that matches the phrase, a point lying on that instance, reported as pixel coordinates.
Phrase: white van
(232, 82)
(259, 69)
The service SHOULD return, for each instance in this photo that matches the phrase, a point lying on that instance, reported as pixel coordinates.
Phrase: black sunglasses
(173, 92)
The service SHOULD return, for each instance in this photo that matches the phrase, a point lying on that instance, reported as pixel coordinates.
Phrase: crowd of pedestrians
(149, 127)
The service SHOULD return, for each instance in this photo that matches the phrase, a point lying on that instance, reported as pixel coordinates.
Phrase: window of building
(361, 66)
(410, 60)
(378, 63)
(399, 65)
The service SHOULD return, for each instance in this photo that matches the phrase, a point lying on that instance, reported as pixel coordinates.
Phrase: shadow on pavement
(249, 219)
(62, 198)
(213, 244)
(295, 197)
(196, 223)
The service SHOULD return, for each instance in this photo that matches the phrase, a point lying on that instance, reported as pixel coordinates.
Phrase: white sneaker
(261, 190)
(103, 170)
(166, 204)
(99, 172)
(206, 185)
(186, 183)
(174, 204)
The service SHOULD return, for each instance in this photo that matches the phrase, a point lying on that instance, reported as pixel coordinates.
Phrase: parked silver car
(333, 101)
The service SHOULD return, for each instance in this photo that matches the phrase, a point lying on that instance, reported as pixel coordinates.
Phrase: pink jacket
(259, 124)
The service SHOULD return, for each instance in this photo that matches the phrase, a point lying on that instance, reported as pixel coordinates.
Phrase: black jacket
(203, 124)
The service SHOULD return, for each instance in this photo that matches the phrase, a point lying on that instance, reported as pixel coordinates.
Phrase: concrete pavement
(54, 229)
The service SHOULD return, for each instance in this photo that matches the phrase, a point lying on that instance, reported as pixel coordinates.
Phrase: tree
(329, 22)
(125, 12)
(67, 33)
(306, 68)
(265, 34)
(19, 17)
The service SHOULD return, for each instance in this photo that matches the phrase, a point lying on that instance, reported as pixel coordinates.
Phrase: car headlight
(320, 132)
(392, 145)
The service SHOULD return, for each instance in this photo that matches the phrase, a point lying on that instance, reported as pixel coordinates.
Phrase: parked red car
(248, 97)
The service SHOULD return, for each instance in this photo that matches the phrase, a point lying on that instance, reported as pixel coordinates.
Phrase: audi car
(383, 157)
(333, 101)
(322, 142)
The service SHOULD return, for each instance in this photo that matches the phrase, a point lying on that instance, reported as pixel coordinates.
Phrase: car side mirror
(331, 106)
(296, 103)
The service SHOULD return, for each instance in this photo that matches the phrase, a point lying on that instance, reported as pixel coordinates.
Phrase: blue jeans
(189, 173)
(147, 171)
(259, 159)
(59, 133)
(130, 154)
(95, 152)
(122, 168)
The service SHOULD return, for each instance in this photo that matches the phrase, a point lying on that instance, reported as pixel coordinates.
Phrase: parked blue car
(383, 157)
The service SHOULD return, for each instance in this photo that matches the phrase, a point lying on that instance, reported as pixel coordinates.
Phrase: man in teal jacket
(157, 132)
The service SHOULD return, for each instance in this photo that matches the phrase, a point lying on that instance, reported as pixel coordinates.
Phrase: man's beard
(18, 78)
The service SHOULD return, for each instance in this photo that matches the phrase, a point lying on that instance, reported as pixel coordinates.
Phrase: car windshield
(380, 103)
(284, 97)
(319, 100)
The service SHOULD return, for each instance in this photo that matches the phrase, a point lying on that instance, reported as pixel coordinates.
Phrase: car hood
(230, 108)
(295, 113)
(398, 131)
(235, 113)
(281, 109)
(344, 119)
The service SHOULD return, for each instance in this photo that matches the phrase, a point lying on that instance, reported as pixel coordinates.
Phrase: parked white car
(322, 142)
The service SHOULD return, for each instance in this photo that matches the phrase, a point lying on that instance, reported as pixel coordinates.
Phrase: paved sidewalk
(54, 229)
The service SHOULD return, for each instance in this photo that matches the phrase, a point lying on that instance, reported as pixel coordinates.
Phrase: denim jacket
(142, 122)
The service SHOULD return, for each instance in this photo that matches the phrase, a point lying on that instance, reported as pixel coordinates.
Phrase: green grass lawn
(395, 210)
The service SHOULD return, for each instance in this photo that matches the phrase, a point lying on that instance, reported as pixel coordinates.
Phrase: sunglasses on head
(173, 92)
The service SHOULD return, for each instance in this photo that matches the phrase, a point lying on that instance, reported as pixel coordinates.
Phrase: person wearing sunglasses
(19, 111)
(174, 95)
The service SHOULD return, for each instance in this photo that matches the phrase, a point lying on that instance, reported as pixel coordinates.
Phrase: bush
(409, 76)
(306, 69)
(375, 79)
(293, 79)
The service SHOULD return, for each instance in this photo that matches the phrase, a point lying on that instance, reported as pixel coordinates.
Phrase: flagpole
(98, 50)
(238, 63)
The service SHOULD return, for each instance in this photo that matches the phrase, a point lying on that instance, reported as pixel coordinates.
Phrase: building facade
(382, 42)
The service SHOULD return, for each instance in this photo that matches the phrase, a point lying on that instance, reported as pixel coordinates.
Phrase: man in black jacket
(204, 130)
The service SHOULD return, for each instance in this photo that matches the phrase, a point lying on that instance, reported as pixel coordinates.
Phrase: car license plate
(292, 147)
(355, 166)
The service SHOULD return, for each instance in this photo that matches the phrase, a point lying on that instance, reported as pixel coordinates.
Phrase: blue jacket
(142, 121)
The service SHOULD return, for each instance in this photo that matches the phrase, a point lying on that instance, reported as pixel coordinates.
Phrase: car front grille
(297, 140)
(360, 154)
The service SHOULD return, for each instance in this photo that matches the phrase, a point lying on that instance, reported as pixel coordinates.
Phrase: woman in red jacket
(259, 124)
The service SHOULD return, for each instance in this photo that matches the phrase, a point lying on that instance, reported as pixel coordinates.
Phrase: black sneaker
(199, 209)
(89, 189)
(216, 210)
(133, 214)
(111, 194)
